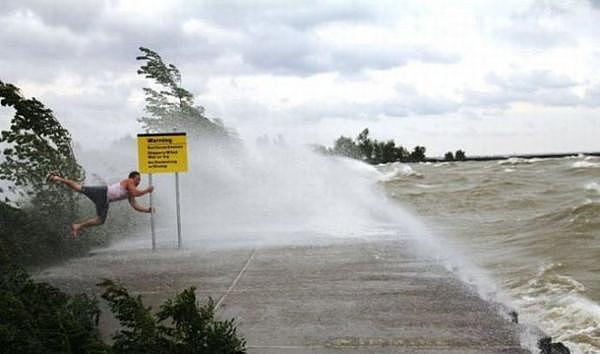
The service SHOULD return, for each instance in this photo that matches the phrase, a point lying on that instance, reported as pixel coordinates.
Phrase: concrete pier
(347, 297)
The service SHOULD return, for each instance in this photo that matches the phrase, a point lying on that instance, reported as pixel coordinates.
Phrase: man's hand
(149, 189)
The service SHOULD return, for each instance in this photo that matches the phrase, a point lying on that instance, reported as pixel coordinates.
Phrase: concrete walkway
(360, 297)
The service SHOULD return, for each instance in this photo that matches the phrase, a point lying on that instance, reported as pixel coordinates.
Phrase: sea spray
(259, 195)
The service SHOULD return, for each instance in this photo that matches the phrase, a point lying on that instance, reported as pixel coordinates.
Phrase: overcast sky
(485, 76)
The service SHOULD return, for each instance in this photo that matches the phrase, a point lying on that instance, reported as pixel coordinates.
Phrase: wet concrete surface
(348, 297)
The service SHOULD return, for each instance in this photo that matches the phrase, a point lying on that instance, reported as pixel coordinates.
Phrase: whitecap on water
(558, 304)
(397, 171)
(593, 186)
(585, 164)
(515, 161)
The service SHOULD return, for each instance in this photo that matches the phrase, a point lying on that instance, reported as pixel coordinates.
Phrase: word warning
(162, 153)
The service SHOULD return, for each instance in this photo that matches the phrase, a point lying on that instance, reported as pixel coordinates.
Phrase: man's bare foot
(74, 230)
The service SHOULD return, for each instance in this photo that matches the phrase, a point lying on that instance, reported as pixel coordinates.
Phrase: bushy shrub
(181, 326)
(39, 318)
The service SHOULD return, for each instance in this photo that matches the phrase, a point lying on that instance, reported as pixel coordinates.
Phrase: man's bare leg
(71, 184)
(75, 228)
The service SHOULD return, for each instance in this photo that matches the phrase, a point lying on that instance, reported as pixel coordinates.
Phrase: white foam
(557, 303)
(585, 164)
(593, 186)
(441, 164)
(396, 171)
(515, 161)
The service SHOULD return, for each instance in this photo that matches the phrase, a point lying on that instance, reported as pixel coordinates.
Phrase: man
(103, 195)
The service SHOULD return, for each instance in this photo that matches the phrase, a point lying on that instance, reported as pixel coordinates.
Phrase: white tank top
(116, 192)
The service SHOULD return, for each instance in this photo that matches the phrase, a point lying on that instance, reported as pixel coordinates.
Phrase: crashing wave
(398, 171)
(593, 186)
(516, 161)
(585, 164)
(550, 296)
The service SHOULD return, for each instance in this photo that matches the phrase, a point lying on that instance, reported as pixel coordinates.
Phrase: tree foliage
(369, 150)
(345, 146)
(181, 326)
(170, 106)
(34, 214)
(39, 318)
(36, 143)
(374, 151)
(418, 154)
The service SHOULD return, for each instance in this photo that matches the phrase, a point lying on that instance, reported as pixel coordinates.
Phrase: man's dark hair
(133, 174)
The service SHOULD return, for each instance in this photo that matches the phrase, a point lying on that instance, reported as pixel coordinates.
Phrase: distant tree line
(374, 151)
(459, 155)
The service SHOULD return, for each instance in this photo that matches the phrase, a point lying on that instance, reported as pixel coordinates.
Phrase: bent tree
(169, 105)
(34, 144)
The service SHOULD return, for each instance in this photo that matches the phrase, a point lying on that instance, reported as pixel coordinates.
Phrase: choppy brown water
(534, 225)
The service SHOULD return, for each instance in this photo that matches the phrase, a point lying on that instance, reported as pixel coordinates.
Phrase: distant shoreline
(506, 157)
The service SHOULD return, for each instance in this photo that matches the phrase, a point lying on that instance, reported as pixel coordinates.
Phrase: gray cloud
(301, 15)
(72, 14)
(536, 27)
(43, 41)
(288, 51)
(531, 81)
(538, 86)
(407, 102)
(271, 37)
(535, 36)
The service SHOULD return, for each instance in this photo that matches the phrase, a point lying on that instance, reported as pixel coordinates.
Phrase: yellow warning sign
(162, 153)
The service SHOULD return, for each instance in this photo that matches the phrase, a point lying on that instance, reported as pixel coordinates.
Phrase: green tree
(400, 153)
(418, 154)
(345, 146)
(35, 215)
(460, 155)
(170, 106)
(181, 326)
(36, 144)
(388, 151)
(366, 145)
(39, 318)
(449, 156)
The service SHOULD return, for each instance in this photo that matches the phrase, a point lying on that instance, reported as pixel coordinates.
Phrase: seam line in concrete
(284, 347)
(234, 283)
(355, 347)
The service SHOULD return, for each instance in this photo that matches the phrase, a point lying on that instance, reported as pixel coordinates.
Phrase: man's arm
(138, 207)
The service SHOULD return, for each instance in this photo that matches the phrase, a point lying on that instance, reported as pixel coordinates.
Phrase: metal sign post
(163, 153)
(152, 216)
(178, 210)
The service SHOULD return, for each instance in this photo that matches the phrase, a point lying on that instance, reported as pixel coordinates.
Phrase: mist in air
(260, 195)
